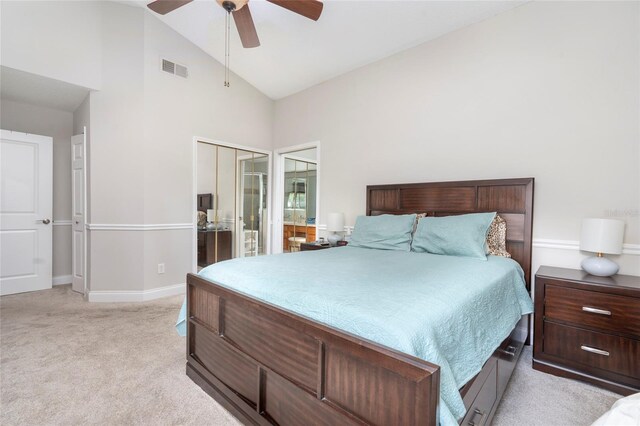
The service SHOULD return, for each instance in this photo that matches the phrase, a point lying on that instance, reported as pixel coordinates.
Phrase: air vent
(182, 71)
(168, 66)
(175, 69)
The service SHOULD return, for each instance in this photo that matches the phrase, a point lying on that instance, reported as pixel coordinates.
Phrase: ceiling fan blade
(246, 28)
(307, 8)
(165, 6)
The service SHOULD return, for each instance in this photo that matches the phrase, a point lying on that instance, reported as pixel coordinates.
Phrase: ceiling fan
(242, 16)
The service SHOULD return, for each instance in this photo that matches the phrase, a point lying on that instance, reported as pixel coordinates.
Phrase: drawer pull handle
(511, 351)
(594, 350)
(596, 311)
(475, 413)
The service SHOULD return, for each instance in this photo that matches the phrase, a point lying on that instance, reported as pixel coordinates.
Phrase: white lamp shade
(335, 222)
(602, 235)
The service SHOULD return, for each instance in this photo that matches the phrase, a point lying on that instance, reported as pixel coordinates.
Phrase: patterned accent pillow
(497, 238)
(202, 219)
(415, 224)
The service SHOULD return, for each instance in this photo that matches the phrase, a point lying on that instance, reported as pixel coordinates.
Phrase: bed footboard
(270, 366)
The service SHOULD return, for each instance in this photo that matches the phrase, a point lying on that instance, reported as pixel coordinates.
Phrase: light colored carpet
(534, 398)
(66, 361)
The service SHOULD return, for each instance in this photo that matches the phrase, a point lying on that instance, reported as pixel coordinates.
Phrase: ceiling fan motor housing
(232, 6)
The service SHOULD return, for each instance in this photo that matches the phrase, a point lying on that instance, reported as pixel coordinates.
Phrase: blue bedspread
(451, 311)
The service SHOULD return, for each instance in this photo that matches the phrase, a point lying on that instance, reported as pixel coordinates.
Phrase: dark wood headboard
(205, 201)
(512, 199)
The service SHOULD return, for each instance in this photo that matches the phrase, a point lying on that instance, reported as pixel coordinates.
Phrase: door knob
(45, 221)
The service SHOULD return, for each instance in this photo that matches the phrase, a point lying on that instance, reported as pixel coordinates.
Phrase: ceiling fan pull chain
(226, 49)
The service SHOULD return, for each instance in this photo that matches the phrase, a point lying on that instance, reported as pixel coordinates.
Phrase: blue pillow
(384, 232)
(463, 235)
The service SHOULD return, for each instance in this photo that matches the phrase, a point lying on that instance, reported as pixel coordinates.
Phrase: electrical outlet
(161, 268)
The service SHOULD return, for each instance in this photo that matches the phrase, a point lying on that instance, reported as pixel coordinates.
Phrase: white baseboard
(61, 279)
(135, 295)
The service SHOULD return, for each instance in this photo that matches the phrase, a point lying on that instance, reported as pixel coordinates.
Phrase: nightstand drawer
(608, 312)
(606, 352)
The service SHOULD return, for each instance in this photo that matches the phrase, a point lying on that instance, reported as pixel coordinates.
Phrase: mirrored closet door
(232, 202)
(252, 224)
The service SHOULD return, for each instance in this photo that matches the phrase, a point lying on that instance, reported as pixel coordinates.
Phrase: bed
(269, 365)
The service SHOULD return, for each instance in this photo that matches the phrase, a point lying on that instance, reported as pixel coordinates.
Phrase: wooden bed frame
(267, 365)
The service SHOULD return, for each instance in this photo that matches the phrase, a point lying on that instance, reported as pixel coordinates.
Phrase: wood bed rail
(270, 366)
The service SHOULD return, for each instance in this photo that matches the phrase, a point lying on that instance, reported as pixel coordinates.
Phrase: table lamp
(335, 225)
(601, 236)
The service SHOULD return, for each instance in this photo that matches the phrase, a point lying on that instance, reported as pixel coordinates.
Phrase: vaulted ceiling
(297, 53)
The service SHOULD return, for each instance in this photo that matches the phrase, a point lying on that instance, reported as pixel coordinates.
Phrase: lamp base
(333, 239)
(600, 266)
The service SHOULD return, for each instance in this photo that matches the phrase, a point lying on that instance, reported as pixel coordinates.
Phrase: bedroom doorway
(299, 217)
(296, 197)
(232, 190)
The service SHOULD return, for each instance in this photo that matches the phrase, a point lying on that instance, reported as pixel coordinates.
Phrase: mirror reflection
(231, 203)
(299, 218)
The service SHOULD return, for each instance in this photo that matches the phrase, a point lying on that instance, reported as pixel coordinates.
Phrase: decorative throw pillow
(202, 219)
(384, 232)
(461, 235)
(415, 224)
(497, 238)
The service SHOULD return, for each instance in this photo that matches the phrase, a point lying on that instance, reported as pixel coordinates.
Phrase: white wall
(58, 124)
(55, 39)
(175, 110)
(141, 156)
(117, 153)
(141, 128)
(81, 117)
(548, 90)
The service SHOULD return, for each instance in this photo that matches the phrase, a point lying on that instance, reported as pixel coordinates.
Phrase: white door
(26, 176)
(78, 143)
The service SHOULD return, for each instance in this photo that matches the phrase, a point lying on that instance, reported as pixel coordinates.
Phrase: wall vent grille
(182, 71)
(175, 69)
(168, 66)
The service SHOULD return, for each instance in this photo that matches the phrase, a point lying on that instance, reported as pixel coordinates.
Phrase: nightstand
(588, 328)
(213, 246)
(313, 246)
